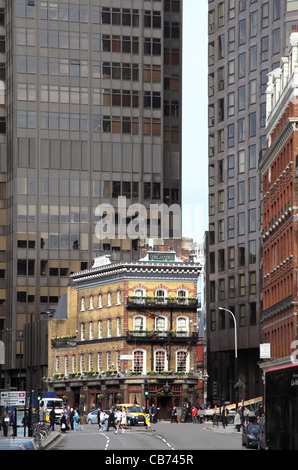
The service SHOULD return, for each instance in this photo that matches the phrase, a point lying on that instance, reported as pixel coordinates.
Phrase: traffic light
(215, 389)
(146, 389)
(223, 394)
(39, 396)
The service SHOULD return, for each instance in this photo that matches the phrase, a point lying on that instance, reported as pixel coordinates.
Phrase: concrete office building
(90, 111)
(246, 41)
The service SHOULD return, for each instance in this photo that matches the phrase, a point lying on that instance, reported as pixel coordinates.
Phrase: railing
(159, 302)
(155, 335)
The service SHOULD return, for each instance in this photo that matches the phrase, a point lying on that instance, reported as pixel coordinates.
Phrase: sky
(194, 120)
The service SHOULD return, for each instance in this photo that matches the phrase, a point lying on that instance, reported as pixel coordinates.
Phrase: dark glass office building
(90, 110)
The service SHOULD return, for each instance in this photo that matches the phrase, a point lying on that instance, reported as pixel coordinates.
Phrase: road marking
(166, 442)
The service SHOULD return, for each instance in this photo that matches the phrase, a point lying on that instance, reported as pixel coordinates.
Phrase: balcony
(178, 303)
(169, 336)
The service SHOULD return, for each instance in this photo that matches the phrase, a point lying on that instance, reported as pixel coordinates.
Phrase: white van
(46, 404)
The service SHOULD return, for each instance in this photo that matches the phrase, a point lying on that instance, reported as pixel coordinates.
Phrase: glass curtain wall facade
(90, 111)
(246, 41)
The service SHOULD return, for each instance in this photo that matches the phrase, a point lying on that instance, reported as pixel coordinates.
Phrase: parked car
(261, 434)
(135, 411)
(250, 435)
(92, 417)
(131, 420)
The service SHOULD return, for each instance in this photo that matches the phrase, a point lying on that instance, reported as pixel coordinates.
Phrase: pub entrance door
(164, 406)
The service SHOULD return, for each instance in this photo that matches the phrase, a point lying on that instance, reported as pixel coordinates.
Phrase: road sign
(12, 398)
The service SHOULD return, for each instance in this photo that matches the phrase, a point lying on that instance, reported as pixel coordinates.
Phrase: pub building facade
(126, 327)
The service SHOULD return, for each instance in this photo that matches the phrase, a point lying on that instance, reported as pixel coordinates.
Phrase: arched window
(57, 363)
(109, 332)
(66, 365)
(82, 363)
(91, 303)
(139, 361)
(109, 299)
(91, 361)
(99, 329)
(82, 331)
(160, 325)
(161, 296)
(91, 330)
(182, 326)
(100, 301)
(74, 363)
(118, 326)
(139, 294)
(182, 297)
(82, 304)
(160, 361)
(109, 359)
(181, 361)
(99, 361)
(139, 325)
(118, 297)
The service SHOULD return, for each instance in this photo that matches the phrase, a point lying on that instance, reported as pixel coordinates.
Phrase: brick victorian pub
(124, 326)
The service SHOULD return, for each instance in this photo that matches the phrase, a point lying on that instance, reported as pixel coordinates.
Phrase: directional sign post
(13, 399)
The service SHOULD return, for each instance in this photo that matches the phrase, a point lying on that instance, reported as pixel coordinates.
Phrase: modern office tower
(246, 41)
(90, 111)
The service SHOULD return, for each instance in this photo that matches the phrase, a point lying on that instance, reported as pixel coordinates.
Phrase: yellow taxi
(133, 410)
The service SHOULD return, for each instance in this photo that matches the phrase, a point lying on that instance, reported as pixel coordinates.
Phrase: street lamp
(236, 354)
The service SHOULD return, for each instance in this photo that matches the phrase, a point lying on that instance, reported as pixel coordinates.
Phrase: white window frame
(83, 331)
(186, 362)
(179, 330)
(161, 331)
(139, 293)
(166, 363)
(118, 326)
(144, 358)
(109, 328)
(157, 294)
(142, 326)
(99, 329)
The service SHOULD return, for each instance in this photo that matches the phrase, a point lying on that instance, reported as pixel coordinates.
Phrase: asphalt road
(163, 437)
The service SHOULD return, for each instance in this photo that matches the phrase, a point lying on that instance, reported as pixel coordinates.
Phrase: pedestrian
(5, 423)
(154, 413)
(224, 417)
(71, 415)
(52, 418)
(66, 415)
(111, 420)
(14, 423)
(118, 417)
(194, 414)
(246, 416)
(76, 421)
(123, 418)
(63, 423)
(174, 415)
(100, 419)
(237, 420)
